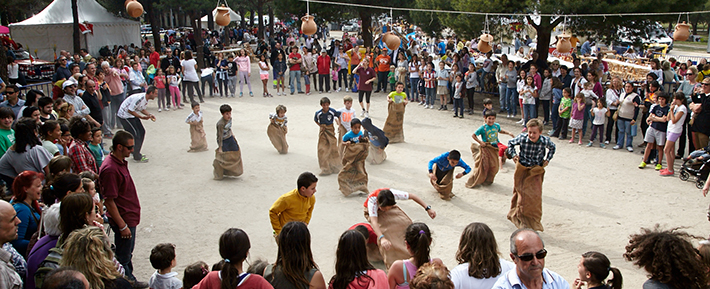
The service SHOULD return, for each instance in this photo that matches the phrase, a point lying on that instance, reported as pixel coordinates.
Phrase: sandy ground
(593, 198)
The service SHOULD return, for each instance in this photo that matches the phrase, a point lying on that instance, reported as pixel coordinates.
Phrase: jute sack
(341, 132)
(353, 176)
(198, 137)
(445, 185)
(393, 224)
(395, 119)
(526, 205)
(486, 167)
(277, 135)
(227, 164)
(377, 155)
(328, 157)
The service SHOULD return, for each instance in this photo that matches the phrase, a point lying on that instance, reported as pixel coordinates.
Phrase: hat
(69, 82)
(706, 80)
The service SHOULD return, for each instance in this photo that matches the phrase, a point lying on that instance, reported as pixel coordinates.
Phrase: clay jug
(222, 18)
(392, 41)
(484, 43)
(682, 31)
(563, 44)
(308, 25)
(134, 9)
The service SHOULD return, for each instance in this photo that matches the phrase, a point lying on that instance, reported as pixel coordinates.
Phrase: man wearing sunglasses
(528, 253)
(701, 108)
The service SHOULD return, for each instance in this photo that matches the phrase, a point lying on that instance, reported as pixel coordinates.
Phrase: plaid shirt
(532, 153)
(82, 159)
(17, 260)
(429, 83)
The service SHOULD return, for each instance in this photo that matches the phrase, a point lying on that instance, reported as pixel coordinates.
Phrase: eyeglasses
(63, 59)
(129, 147)
(704, 84)
(529, 256)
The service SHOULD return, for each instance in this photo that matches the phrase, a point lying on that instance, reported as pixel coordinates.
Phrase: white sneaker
(362, 114)
(159, 110)
(338, 90)
(520, 121)
(367, 114)
(167, 109)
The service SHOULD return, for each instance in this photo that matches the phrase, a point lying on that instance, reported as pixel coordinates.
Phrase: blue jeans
(430, 96)
(624, 131)
(124, 250)
(555, 114)
(458, 106)
(529, 112)
(587, 118)
(511, 97)
(414, 94)
(502, 94)
(294, 76)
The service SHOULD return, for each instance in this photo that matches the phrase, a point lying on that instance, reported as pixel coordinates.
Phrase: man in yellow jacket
(296, 205)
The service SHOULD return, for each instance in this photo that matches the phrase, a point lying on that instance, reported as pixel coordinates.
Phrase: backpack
(420, 86)
(49, 264)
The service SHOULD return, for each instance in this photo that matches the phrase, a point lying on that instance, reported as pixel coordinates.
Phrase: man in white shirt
(131, 120)
(528, 253)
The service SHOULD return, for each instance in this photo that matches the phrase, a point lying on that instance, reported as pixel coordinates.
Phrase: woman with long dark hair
(294, 267)
(352, 269)
(418, 239)
(480, 263)
(191, 79)
(27, 154)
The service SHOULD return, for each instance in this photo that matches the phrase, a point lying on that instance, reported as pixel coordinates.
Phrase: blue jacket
(442, 162)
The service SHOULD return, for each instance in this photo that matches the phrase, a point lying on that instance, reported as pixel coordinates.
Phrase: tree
(12, 11)
(75, 27)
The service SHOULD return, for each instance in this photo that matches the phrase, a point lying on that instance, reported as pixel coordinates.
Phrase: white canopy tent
(52, 29)
(233, 16)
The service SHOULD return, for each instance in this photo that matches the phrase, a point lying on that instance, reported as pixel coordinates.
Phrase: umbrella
(4, 30)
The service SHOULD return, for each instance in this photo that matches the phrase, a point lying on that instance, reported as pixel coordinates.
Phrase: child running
(278, 129)
(328, 156)
(197, 130)
(676, 119)
(490, 155)
(577, 117)
(174, 86)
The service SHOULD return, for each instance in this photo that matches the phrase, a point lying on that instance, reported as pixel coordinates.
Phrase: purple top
(36, 256)
(576, 113)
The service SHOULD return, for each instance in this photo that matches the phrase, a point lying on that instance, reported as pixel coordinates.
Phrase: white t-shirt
(188, 70)
(461, 279)
(413, 74)
(13, 71)
(136, 103)
(372, 205)
(678, 126)
(207, 71)
(346, 115)
(599, 115)
(261, 71)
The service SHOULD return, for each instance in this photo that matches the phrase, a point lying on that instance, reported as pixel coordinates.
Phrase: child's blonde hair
(347, 98)
(588, 85)
(579, 95)
(280, 107)
(392, 67)
(432, 276)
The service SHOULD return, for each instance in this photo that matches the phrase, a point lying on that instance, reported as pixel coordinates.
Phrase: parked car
(350, 27)
(33, 69)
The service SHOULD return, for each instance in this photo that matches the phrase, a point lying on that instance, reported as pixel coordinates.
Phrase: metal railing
(45, 87)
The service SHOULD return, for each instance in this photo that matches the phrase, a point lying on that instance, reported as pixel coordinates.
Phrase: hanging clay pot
(391, 40)
(682, 31)
(134, 9)
(222, 18)
(308, 25)
(563, 44)
(484, 43)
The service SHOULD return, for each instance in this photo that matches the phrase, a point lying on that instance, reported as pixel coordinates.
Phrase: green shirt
(566, 103)
(397, 97)
(7, 139)
(489, 133)
(391, 77)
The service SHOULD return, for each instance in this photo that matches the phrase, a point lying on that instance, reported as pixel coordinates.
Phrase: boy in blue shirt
(356, 134)
(328, 156)
(441, 170)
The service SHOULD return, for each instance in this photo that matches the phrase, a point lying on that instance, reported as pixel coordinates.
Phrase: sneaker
(367, 114)
(616, 147)
(167, 109)
(362, 114)
(590, 144)
(338, 90)
(601, 145)
(579, 142)
(571, 140)
(606, 142)
(508, 116)
(241, 94)
(251, 94)
(138, 284)
(666, 173)
(221, 96)
(421, 103)
(461, 116)
(659, 167)
(159, 110)
(630, 149)
(143, 159)
(525, 129)
(456, 115)
(520, 121)
(642, 165)
(308, 93)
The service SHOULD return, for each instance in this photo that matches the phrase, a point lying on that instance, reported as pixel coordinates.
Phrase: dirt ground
(593, 198)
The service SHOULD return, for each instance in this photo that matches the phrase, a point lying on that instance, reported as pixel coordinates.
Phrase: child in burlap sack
(353, 176)
(397, 102)
(228, 156)
(487, 151)
(328, 156)
(197, 130)
(526, 205)
(441, 172)
(278, 129)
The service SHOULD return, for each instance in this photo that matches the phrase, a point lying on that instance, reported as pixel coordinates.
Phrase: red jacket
(323, 63)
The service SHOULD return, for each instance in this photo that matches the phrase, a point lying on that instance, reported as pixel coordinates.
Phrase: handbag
(616, 115)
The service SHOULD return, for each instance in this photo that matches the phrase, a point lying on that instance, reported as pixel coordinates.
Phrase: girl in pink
(244, 68)
(159, 80)
(577, 117)
(418, 238)
(174, 86)
(334, 75)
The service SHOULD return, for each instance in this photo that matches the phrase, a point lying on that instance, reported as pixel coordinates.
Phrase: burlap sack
(486, 167)
(328, 157)
(227, 164)
(376, 155)
(395, 119)
(353, 176)
(277, 135)
(341, 132)
(445, 186)
(198, 138)
(393, 224)
(526, 205)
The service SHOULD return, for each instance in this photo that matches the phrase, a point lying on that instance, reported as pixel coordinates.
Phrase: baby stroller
(697, 168)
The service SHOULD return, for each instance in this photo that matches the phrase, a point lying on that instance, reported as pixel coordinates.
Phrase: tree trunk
(3, 64)
(75, 27)
(271, 22)
(544, 33)
(154, 23)
(365, 16)
(695, 26)
(197, 34)
(243, 12)
(4, 16)
(210, 21)
(260, 21)
(251, 17)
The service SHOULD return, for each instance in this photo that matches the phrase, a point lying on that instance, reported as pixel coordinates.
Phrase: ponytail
(229, 274)
(418, 238)
(617, 280)
(233, 248)
(599, 266)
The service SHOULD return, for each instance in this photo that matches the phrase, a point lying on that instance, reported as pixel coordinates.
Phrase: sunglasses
(129, 147)
(529, 256)
(704, 84)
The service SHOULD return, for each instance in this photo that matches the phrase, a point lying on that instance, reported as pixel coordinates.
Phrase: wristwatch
(427, 208)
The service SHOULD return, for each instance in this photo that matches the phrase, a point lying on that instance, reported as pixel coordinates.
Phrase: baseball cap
(69, 82)
(706, 80)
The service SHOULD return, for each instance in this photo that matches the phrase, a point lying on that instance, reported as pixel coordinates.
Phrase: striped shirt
(428, 75)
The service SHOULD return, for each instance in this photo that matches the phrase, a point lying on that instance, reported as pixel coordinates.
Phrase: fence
(44, 87)
(684, 58)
